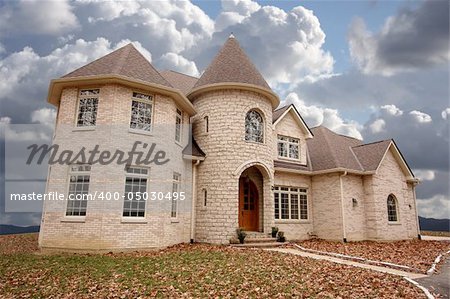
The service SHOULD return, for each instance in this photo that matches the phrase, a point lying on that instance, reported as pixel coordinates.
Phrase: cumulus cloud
(45, 116)
(37, 17)
(173, 61)
(378, 126)
(420, 116)
(330, 118)
(392, 110)
(437, 207)
(412, 39)
(425, 174)
(445, 113)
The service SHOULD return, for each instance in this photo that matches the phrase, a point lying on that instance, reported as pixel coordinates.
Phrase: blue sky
(368, 69)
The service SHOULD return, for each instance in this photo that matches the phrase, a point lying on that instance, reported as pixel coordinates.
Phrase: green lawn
(188, 271)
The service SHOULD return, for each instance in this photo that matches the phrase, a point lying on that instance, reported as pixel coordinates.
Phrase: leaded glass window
(79, 178)
(141, 112)
(288, 147)
(254, 127)
(87, 107)
(392, 208)
(135, 192)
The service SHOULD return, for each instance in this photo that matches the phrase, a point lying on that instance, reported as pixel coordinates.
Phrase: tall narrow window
(135, 192)
(176, 186)
(392, 208)
(254, 127)
(87, 107)
(79, 177)
(205, 197)
(141, 112)
(178, 125)
(206, 119)
(291, 203)
(288, 147)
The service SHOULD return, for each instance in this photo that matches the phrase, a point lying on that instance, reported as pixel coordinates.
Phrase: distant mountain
(437, 225)
(6, 229)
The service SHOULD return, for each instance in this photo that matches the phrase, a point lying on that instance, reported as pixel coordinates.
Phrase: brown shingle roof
(232, 65)
(329, 150)
(180, 81)
(278, 112)
(193, 149)
(126, 61)
(371, 154)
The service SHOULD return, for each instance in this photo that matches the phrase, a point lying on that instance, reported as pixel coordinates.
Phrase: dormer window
(87, 107)
(141, 112)
(288, 147)
(254, 127)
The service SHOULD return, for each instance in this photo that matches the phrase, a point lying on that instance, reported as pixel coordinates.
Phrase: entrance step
(256, 235)
(260, 240)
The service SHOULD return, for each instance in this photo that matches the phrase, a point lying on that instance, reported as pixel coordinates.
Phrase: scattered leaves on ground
(188, 271)
(416, 254)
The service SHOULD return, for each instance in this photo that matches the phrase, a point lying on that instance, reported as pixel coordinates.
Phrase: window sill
(394, 223)
(74, 219)
(178, 143)
(290, 160)
(174, 220)
(140, 132)
(81, 129)
(290, 221)
(255, 142)
(134, 220)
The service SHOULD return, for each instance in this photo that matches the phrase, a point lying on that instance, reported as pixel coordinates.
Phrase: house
(232, 158)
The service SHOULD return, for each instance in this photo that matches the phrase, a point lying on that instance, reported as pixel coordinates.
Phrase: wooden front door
(248, 205)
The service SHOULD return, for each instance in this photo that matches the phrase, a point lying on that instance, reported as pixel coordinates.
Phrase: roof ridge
(282, 107)
(180, 73)
(356, 158)
(374, 142)
(123, 57)
(325, 137)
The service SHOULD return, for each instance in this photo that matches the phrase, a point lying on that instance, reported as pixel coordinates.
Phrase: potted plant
(274, 231)
(281, 237)
(241, 235)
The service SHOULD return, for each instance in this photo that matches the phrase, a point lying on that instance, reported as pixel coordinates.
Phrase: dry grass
(186, 271)
(435, 234)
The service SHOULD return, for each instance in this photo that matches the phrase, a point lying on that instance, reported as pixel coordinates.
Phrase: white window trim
(152, 116)
(308, 205)
(287, 142)
(77, 109)
(135, 219)
(74, 218)
(179, 142)
(172, 218)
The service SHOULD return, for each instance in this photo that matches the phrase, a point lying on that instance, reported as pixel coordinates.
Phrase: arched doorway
(250, 188)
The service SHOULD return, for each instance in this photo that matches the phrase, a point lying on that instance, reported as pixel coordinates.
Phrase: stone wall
(227, 156)
(103, 227)
(355, 217)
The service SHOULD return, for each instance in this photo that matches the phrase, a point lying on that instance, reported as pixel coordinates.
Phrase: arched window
(392, 208)
(254, 127)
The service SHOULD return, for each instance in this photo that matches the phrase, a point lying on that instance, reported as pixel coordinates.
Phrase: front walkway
(438, 283)
(435, 238)
(348, 262)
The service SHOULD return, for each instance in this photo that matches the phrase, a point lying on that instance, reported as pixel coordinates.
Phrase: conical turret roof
(126, 61)
(232, 65)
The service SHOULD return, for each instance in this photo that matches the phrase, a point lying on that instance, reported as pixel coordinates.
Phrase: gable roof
(232, 65)
(370, 155)
(278, 115)
(181, 81)
(126, 61)
(329, 150)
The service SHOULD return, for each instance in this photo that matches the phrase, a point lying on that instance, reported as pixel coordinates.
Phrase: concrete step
(256, 235)
(260, 240)
(259, 245)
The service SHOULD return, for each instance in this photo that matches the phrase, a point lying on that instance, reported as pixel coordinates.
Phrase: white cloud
(327, 117)
(285, 45)
(37, 17)
(45, 116)
(5, 120)
(378, 126)
(420, 116)
(392, 110)
(173, 61)
(437, 207)
(445, 113)
(425, 174)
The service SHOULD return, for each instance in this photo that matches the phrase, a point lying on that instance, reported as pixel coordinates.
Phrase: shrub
(281, 237)
(241, 235)
(274, 231)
